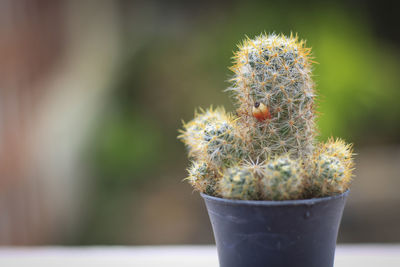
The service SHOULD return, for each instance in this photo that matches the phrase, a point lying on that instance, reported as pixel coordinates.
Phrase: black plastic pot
(293, 233)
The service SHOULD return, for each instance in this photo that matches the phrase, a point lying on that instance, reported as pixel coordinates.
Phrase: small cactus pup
(212, 137)
(192, 133)
(282, 179)
(274, 92)
(202, 177)
(214, 143)
(238, 182)
(332, 168)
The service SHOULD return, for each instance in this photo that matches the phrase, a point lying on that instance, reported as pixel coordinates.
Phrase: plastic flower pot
(293, 233)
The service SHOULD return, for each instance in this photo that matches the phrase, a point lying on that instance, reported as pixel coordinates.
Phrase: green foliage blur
(176, 58)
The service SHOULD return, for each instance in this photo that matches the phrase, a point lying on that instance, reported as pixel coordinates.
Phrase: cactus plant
(282, 179)
(202, 177)
(332, 167)
(267, 150)
(238, 183)
(212, 137)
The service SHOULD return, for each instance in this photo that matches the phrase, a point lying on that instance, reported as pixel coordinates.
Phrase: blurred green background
(173, 56)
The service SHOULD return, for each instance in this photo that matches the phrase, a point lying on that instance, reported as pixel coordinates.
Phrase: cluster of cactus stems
(267, 150)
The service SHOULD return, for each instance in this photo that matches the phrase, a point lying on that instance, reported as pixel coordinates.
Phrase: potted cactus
(274, 195)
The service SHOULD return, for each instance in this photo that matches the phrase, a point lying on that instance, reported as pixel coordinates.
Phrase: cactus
(212, 136)
(338, 148)
(272, 76)
(220, 142)
(267, 150)
(238, 183)
(282, 179)
(193, 130)
(202, 178)
(332, 168)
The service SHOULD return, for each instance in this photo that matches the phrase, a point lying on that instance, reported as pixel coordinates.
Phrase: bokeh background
(92, 94)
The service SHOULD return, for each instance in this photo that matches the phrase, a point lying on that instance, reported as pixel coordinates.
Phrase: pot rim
(296, 202)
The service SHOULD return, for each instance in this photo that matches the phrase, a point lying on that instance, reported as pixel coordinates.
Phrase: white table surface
(165, 256)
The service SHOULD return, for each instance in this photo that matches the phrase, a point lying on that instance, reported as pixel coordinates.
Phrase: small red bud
(261, 112)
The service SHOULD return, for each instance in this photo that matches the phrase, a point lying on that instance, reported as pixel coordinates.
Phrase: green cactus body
(192, 134)
(332, 168)
(212, 136)
(330, 176)
(238, 183)
(221, 143)
(202, 178)
(275, 71)
(282, 179)
(338, 148)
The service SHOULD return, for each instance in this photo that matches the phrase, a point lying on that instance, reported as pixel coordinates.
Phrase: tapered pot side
(290, 233)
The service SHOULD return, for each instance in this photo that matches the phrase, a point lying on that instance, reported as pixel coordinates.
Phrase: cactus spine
(267, 150)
